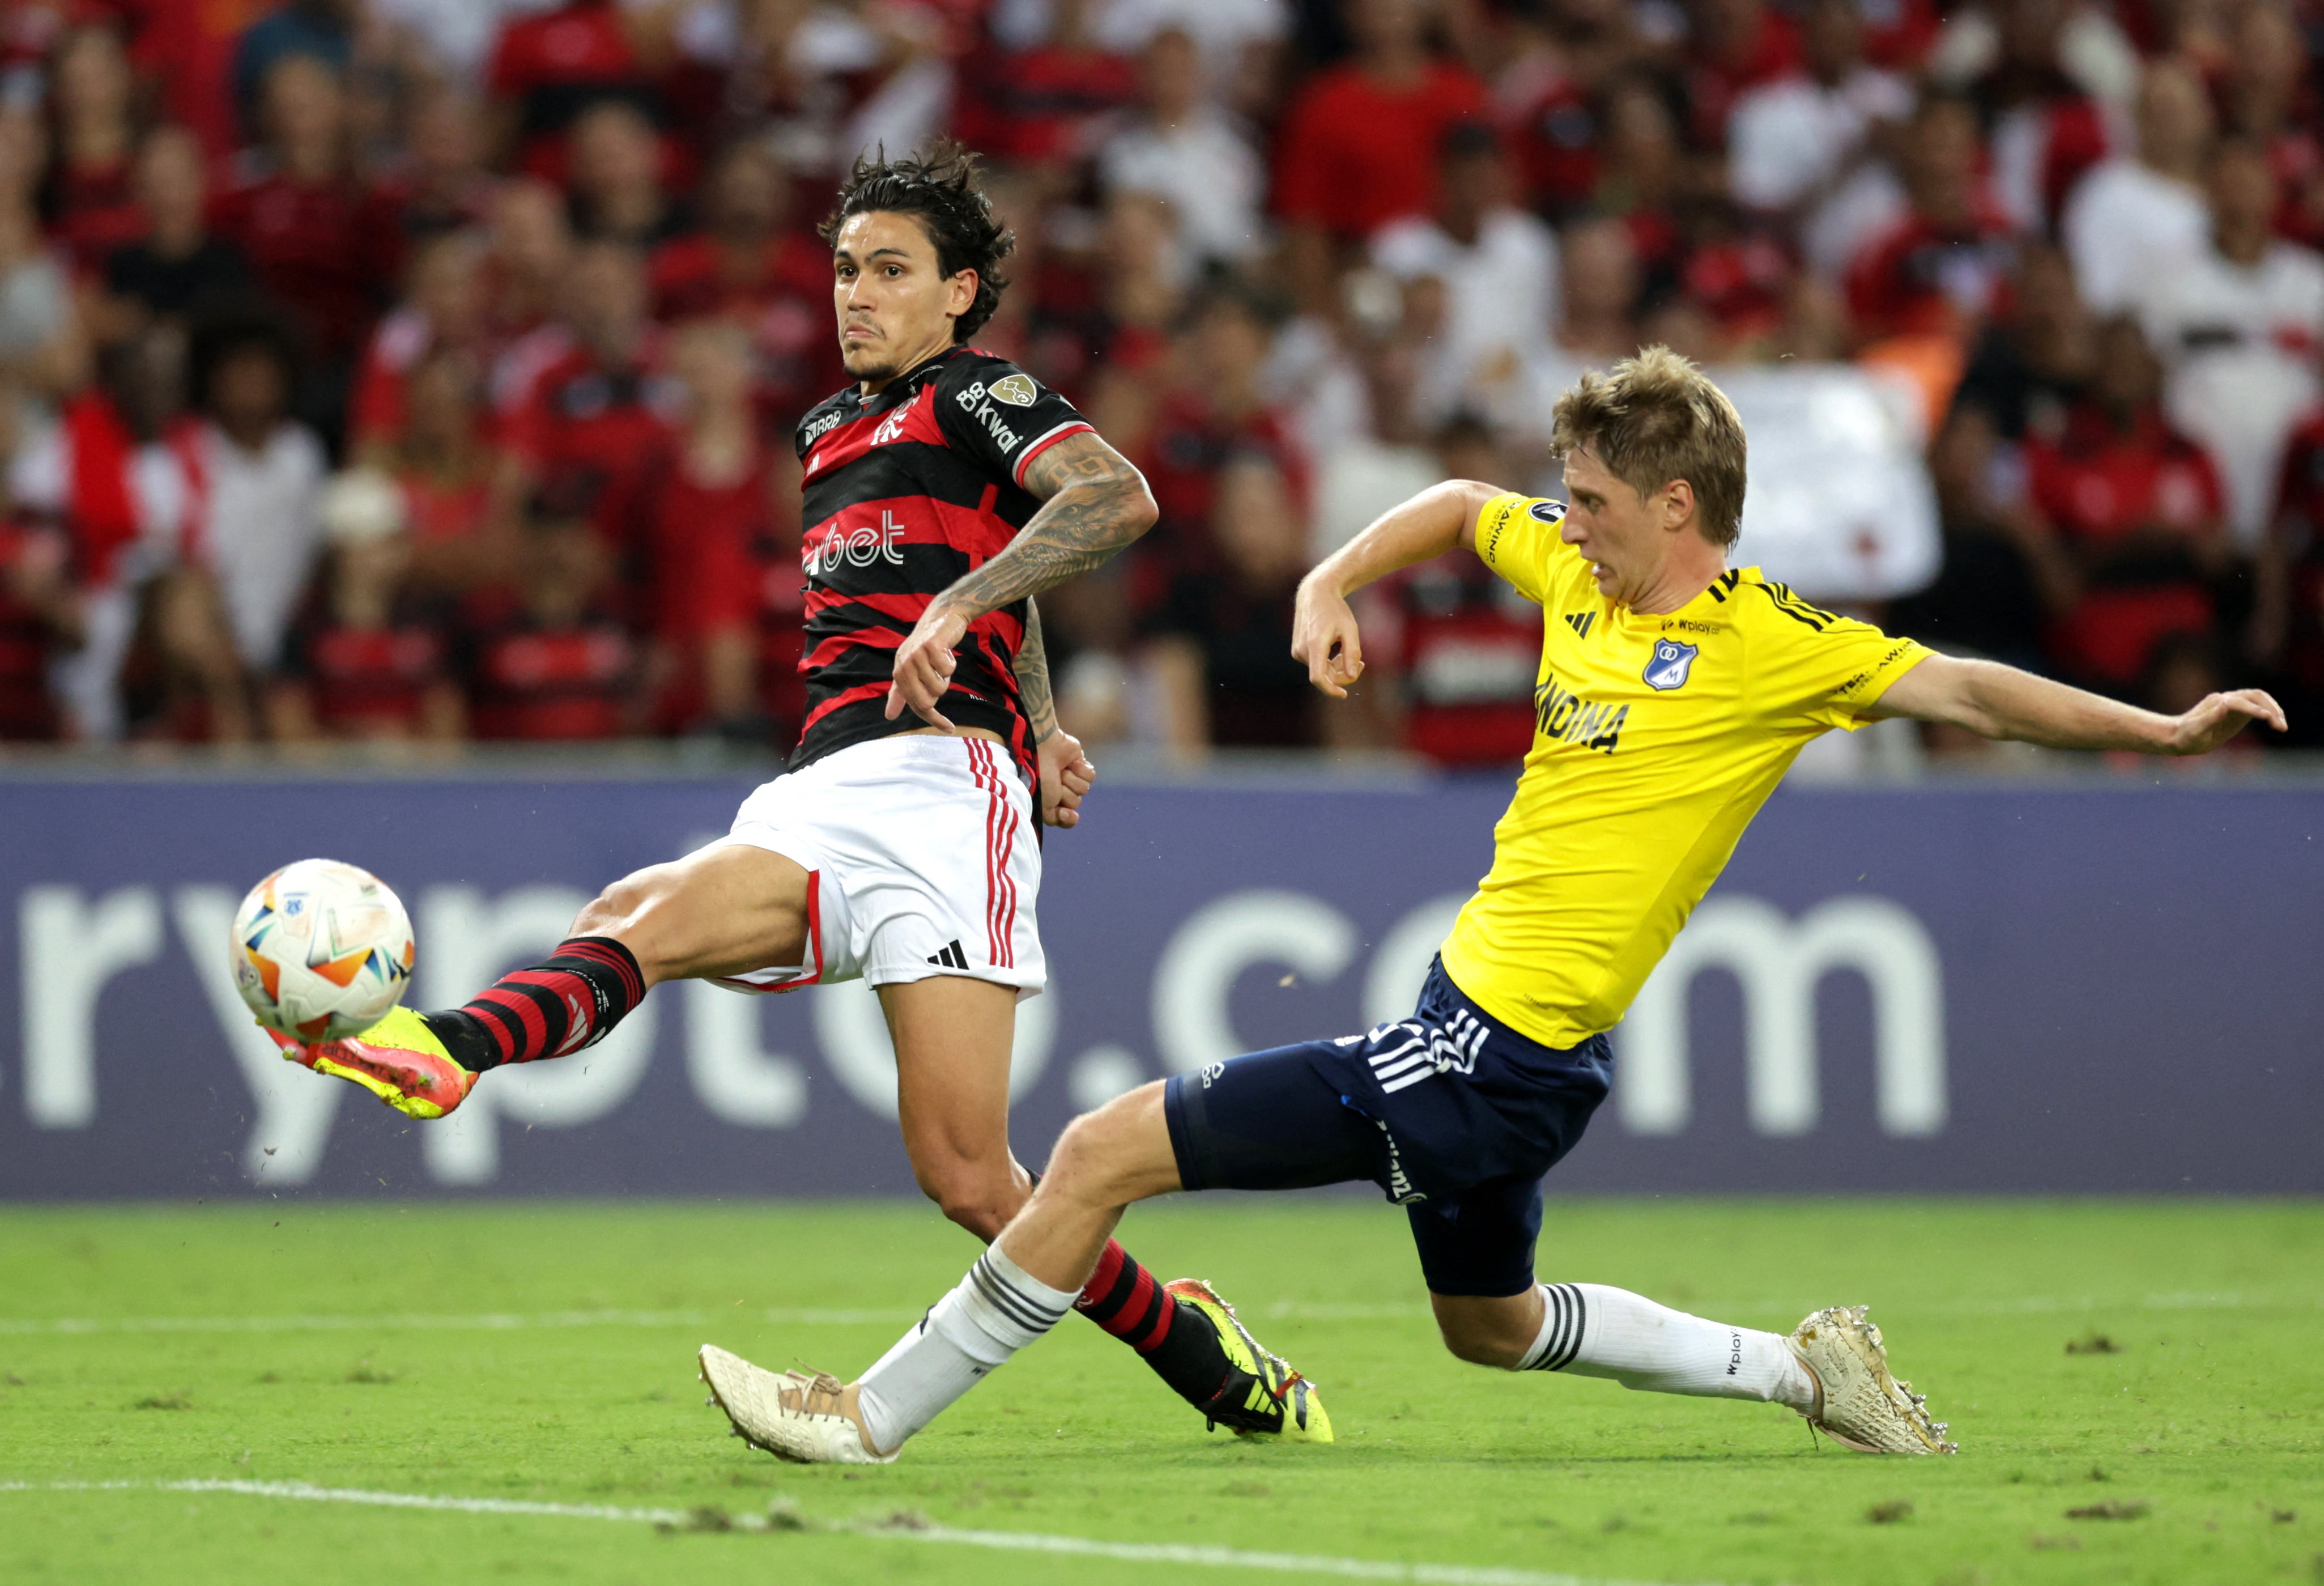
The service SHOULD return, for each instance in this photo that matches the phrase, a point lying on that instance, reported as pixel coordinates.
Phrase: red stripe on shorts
(977, 769)
(1008, 851)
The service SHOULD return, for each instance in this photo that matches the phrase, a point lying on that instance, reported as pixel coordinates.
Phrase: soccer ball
(321, 950)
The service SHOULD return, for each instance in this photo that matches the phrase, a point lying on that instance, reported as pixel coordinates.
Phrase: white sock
(998, 1309)
(1589, 1330)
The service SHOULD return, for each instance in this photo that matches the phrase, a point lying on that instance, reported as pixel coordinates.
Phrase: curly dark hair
(939, 190)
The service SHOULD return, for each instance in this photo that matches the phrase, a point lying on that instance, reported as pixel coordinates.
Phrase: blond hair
(1655, 418)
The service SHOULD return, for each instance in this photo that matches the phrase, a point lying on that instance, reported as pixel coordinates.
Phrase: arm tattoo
(1094, 504)
(1033, 679)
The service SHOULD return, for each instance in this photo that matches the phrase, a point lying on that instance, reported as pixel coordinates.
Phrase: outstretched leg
(1832, 1369)
(726, 910)
(1589, 1330)
(952, 1036)
(1477, 1252)
(1016, 1291)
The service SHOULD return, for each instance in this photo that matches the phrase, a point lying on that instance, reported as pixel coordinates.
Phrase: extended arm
(1324, 629)
(1093, 503)
(1995, 701)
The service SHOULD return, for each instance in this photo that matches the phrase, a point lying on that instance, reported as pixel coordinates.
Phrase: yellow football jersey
(1656, 740)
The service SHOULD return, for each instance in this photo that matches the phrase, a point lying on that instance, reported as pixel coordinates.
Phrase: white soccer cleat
(1858, 1404)
(793, 1415)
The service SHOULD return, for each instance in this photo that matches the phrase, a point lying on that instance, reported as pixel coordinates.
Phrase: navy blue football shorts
(1455, 1116)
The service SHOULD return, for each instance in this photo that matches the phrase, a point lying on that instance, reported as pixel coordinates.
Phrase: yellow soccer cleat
(1263, 1395)
(399, 1060)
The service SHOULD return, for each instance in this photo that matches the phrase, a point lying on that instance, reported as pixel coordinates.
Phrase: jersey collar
(1720, 591)
(904, 385)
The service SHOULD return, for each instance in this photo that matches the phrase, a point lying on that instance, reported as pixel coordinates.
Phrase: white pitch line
(1221, 1558)
(310, 1493)
(487, 1323)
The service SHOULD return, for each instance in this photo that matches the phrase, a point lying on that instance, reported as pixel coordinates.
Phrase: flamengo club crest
(1670, 664)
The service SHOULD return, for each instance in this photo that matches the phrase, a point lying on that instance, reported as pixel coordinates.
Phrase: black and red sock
(1123, 1299)
(568, 1002)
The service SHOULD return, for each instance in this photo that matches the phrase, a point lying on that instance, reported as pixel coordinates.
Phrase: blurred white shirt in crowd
(1502, 294)
(1314, 383)
(1223, 29)
(1837, 500)
(2126, 222)
(1787, 140)
(41, 479)
(2240, 345)
(1359, 481)
(255, 528)
(460, 33)
(1207, 171)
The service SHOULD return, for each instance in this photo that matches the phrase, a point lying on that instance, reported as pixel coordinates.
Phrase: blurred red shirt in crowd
(747, 265)
(1359, 153)
(591, 430)
(2135, 503)
(91, 199)
(301, 218)
(1938, 270)
(2298, 556)
(1359, 143)
(563, 665)
(550, 66)
(1736, 44)
(189, 49)
(1051, 103)
(33, 600)
(1468, 647)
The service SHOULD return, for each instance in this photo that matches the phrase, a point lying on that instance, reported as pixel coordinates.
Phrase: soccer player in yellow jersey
(1672, 693)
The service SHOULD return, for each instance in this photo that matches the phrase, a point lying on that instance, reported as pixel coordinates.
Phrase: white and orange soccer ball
(321, 950)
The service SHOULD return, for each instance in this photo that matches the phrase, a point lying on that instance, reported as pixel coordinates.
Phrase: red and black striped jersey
(906, 493)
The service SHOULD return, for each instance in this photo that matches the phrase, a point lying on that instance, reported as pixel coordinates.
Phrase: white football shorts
(922, 860)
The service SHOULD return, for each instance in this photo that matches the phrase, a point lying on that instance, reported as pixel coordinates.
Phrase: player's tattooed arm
(1093, 503)
(1033, 679)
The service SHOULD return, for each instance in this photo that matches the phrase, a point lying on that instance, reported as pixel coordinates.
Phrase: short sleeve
(1516, 537)
(1812, 668)
(1001, 416)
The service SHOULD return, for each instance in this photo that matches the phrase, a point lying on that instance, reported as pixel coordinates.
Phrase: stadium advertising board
(2068, 990)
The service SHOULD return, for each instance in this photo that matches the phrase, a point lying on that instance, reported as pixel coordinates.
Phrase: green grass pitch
(2197, 1426)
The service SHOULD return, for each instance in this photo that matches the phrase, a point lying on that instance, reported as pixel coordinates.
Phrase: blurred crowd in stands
(425, 369)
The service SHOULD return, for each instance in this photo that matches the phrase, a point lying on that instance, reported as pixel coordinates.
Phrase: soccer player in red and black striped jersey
(944, 489)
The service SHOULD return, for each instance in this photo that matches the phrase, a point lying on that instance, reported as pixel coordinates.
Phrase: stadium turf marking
(1279, 1311)
(490, 1322)
(901, 1529)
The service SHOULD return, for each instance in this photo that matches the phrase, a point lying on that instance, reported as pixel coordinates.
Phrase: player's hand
(1323, 635)
(924, 665)
(2219, 717)
(1066, 778)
